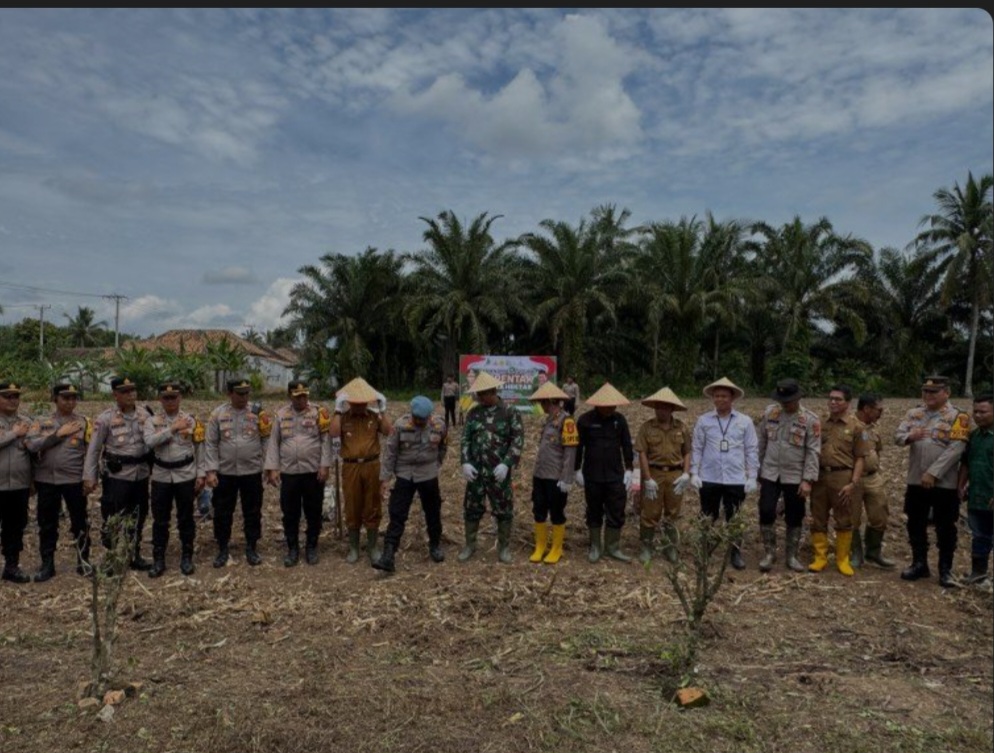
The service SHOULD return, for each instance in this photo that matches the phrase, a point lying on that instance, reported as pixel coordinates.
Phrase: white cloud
(267, 312)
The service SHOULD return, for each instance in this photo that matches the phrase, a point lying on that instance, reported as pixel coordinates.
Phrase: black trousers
(229, 490)
(164, 494)
(128, 498)
(450, 410)
(301, 492)
(793, 503)
(714, 497)
(943, 504)
(570, 405)
(548, 501)
(399, 506)
(605, 503)
(13, 521)
(50, 497)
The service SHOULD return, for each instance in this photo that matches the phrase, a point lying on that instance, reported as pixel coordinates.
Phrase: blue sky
(194, 160)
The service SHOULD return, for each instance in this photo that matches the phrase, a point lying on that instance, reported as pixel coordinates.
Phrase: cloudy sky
(194, 160)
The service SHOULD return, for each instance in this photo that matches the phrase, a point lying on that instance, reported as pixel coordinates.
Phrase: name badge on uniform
(723, 445)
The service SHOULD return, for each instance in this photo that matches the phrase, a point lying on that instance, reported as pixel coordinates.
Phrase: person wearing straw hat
(360, 420)
(492, 442)
(789, 448)
(724, 459)
(298, 461)
(663, 444)
(15, 481)
(604, 459)
(554, 472)
(59, 442)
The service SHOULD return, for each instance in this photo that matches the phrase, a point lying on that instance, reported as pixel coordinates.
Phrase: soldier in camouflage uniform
(492, 441)
(59, 443)
(15, 481)
(298, 460)
(937, 434)
(177, 441)
(234, 449)
(117, 453)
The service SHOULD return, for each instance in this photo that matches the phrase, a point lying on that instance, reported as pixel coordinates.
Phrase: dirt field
(486, 657)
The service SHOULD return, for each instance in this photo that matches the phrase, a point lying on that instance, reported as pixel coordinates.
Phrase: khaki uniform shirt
(939, 452)
(556, 458)
(60, 459)
(789, 445)
(415, 453)
(360, 436)
(875, 445)
(15, 460)
(172, 447)
(842, 442)
(662, 446)
(119, 434)
(299, 442)
(235, 444)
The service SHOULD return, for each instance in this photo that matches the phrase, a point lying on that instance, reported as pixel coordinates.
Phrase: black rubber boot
(47, 571)
(186, 561)
(311, 554)
(918, 568)
(251, 555)
(946, 579)
(158, 563)
(12, 571)
(978, 571)
(222, 556)
(385, 561)
(737, 562)
(292, 554)
(435, 550)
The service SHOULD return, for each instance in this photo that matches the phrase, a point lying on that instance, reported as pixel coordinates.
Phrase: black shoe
(737, 562)
(385, 561)
(436, 553)
(47, 571)
(14, 574)
(252, 556)
(292, 557)
(140, 563)
(946, 579)
(158, 568)
(916, 570)
(186, 565)
(222, 557)
(311, 555)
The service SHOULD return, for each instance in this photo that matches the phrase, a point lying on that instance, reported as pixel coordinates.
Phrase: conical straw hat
(725, 382)
(548, 391)
(484, 382)
(606, 397)
(358, 391)
(665, 395)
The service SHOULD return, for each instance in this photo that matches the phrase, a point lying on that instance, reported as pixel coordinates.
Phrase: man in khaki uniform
(298, 460)
(15, 481)
(789, 444)
(59, 443)
(872, 493)
(663, 444)
(843, 449)
(360, 427)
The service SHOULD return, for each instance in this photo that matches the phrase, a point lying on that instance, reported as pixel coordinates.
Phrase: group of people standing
(797, 460)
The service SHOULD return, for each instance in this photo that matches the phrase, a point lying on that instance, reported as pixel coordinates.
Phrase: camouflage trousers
(500, 494)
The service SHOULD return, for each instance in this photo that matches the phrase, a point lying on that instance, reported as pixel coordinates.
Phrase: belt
(125, 459)
(661, 467)
(173, 464)
(361, 460)
(833, 469)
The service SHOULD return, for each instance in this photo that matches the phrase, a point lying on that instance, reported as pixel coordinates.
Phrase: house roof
(197, 340)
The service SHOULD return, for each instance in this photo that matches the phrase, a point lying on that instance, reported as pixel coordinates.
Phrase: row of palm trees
(673, 301)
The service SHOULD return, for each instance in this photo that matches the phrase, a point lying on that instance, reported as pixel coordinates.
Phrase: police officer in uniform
(555, 471)
(604, 464)
(117, 445)
(450, 399)
(572, 390)
(872, 493)
(936, 433)
(234, 449)
(414, 454)
(789, 439)
(493, 438)
(177, 441)
(298, 460)
(663, 444)
(15, 481)
(59, 444)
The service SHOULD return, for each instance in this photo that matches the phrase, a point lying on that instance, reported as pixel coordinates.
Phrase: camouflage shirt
(492, 435)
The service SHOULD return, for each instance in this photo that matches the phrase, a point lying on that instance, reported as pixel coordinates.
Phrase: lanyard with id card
(723, 444)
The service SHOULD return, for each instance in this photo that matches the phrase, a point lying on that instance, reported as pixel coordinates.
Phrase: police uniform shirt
(556, 458)
(572, 389)
(415, 453)
(299, 441)
(450, 389)
(235, 444)
(172, 447)
(789, 445)
(59, 460)
(842, 442)
(605, 448)
(938, 454)
(662, 446)
(15, 460)
(119, 434)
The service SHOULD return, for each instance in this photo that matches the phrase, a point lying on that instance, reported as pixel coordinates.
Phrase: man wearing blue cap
(414, 454)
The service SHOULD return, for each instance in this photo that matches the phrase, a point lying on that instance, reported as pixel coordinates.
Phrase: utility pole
(117, 298)
(41, 329)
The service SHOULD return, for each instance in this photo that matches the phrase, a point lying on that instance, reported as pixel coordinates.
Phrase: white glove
(381, 403)
(564, 486)
(650, 488)
(469, 471)
(628, 481)
(578, 479)
(680, 485)
(500, 472)
(695, 481)
(750, 485)
(341, 403)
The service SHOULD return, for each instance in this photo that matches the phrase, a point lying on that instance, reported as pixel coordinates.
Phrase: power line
(36, 289)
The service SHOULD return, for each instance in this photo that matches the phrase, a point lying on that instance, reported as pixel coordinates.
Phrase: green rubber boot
(612, 545)
(472, 528)
(372, 547)
(504, 541)
(594, 553)
(646, 536)
(353, 556)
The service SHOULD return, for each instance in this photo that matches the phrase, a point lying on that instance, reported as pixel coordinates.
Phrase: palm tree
(224, 358)
(81, 329)
(959, 237)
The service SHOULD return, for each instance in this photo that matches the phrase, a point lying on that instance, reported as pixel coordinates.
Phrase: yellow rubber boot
(819, 542)
(558, 536)
(541, 540)
(843, 548)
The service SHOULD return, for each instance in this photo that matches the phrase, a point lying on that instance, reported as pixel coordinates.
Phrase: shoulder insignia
(324, 420)
(199, 432)
(570, 436)
(961, 428)
(265, 424)
(87, 429)
(773, 412)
